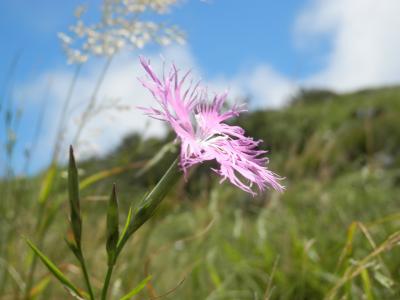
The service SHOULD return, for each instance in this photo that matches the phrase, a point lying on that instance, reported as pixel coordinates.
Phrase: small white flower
(123, 23)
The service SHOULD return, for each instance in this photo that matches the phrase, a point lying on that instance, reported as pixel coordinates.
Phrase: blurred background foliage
(332, 234)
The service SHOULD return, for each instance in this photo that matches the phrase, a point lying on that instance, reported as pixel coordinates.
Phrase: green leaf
(39, 287)
(386, 281)
(88, 181)
(137, 289)
(167, 148)
(148, 205)
(112, 226)
(51, 212)
(126, 226)
(47, 184)
(73, 191)
(367, 284)
(215, 278)
(53, 269)
(74, 249)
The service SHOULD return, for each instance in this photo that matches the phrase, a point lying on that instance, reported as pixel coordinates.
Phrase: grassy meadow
(333, 234)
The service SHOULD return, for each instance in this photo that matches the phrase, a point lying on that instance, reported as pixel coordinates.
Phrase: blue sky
(225, 36)
(260, 48)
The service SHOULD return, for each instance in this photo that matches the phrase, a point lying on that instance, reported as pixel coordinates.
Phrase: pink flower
(200, 128)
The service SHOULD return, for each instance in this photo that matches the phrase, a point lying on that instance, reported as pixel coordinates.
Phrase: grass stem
(107, 282)
(86, 275)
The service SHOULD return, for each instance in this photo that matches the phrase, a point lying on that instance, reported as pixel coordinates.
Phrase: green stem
(56, 151)
(143, 213)
(92, 101)
(33, 263)
(148, 205)
(86, 275)
(64, 113)
(107, 282)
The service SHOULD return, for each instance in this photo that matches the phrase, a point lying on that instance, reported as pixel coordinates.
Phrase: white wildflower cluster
(138, 6)
(123, 23)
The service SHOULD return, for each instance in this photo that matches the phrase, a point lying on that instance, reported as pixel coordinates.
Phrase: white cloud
(267, 87)
(264, 87)
(119, 95)
(364, 39)
(364, 51)
(107, 128)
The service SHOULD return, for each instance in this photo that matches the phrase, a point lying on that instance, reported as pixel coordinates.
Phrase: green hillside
(333, 233)
(340, 155)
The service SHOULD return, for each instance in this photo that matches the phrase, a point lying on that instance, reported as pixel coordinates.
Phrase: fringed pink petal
(199, 126)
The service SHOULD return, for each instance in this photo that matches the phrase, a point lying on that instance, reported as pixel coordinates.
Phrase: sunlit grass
(333, 233)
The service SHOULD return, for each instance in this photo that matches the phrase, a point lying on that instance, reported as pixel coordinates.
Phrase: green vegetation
(333, 234)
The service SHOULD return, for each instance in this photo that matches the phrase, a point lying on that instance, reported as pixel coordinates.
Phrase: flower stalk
(74, 242)
(144, 211)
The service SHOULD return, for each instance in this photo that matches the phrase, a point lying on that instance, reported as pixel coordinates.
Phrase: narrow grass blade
(112, 227)
(215, 278)
(73, 191)
(364, 263)
(137, 289)
(71, 245)
(148, 205)
(92, 179)
(168, 148)
(367, 284)
(348, 248)
(47, 184)
(127, 223)
(53, 269)
(39, 287)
